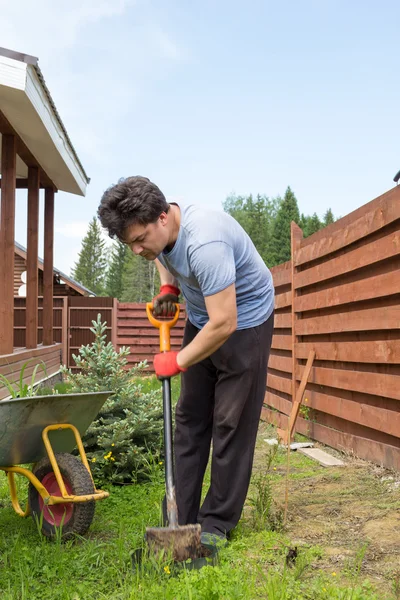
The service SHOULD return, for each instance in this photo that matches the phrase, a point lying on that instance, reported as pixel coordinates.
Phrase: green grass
(253, 566)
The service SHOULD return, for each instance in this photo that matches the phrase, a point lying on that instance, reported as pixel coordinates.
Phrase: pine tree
(114, 278)
(140, 279)
(313, 225)
(91, 265)
(280, 246)
(328, 217)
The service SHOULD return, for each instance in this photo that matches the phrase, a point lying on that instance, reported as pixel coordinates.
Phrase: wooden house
(37, 155)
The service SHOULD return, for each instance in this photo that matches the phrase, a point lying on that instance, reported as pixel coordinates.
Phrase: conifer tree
(91, 265)
(280, 250)
(114, 278)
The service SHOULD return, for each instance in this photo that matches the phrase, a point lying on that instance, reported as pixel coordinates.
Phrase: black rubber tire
(75, 472)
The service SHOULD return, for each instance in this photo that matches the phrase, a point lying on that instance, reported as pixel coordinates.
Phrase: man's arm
(222, 312)
(166, 277)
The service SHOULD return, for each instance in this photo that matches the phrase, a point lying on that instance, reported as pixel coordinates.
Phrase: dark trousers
(221, 400)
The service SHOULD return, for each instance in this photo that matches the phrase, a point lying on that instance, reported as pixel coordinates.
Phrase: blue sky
(213, 97)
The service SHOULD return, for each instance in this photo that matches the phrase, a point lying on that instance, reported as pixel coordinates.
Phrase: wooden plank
(22, 354)
(273, 400)
(23, 151)
(374, 417)
(281, 384)
(7, 230)
(65, 333)
(137, 342)
(48, 267)
(283, 300)
(367, 255)
(281, 274)
(21, 183)
(282, 342)
(378, 384)
(296, 238)
(133, 331)
(280, 363)
(114, 323)
(382, 351)
(358, 320)
(287, 434)
(283, 320)
(366, 220)
(32, 260)
(375, 452)
(379, 286)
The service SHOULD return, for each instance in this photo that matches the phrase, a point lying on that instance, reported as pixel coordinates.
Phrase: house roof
(72, 283)
(26, 102)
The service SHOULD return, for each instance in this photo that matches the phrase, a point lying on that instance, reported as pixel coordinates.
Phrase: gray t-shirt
(213, 251)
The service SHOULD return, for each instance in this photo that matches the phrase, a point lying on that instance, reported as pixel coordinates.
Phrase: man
(223, 361)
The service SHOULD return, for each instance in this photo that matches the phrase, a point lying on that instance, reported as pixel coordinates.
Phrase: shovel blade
(180, 543)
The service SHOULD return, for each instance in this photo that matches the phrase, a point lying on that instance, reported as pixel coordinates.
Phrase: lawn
(342, 524)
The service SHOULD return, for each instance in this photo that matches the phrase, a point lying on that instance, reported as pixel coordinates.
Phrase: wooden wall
(134, 330)
(340, 296)
(11, 364)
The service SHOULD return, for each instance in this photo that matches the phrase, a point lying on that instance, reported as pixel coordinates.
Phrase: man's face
(147, 241)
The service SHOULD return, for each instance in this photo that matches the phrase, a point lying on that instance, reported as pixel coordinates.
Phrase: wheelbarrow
(44, 430)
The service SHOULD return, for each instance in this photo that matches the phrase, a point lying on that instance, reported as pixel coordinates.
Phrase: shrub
(124, 441)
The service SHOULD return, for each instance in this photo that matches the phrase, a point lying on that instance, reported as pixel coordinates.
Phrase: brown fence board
(381, 351)
(281, 274)
(367, 255)
(283, 320)
(282, 384)
(283, 300)
(282, 342)
(381, 212)
(280, 363)
(357, 320)
(379, 384)
(380, 286)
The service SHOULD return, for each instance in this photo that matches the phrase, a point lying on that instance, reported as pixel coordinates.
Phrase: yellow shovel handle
(163, 326)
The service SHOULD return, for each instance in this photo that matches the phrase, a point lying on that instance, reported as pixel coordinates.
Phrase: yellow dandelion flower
(93, 460)
(113, 459)
(333, 574)
(161, 462)
(112, 444)
(166, 569)
(274, 468)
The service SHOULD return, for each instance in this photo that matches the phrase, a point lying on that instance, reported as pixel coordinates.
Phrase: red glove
(164, 302)
(165, 365)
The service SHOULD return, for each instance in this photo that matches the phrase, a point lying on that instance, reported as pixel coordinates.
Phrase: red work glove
(164, 302)
(165, 365)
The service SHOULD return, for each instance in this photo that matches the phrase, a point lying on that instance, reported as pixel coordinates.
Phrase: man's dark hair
(134, 200)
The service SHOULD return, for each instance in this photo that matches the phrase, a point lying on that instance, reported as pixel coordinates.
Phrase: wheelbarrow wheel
(71, 518)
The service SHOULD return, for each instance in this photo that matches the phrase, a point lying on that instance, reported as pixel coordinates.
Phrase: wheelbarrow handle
(164, 326)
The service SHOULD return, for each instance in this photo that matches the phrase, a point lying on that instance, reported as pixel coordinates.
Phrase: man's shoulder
(204, 226)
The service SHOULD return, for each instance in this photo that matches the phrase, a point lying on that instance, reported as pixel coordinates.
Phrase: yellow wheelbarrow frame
(48, 499)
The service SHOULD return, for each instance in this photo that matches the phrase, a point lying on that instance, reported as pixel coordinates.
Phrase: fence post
(65, 332)
(296, 236)
(114, 316)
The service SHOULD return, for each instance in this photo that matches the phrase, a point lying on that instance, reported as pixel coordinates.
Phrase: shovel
(181, 542)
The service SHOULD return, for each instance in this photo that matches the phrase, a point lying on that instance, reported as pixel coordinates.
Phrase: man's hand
(164, 302)
(165, 365)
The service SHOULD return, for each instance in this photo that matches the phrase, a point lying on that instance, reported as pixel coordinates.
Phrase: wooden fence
(135, 331)
(340, 296)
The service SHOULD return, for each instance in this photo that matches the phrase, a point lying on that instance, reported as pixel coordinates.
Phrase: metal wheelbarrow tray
(44, 430)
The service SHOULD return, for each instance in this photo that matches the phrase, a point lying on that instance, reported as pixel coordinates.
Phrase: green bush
(124, 442)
